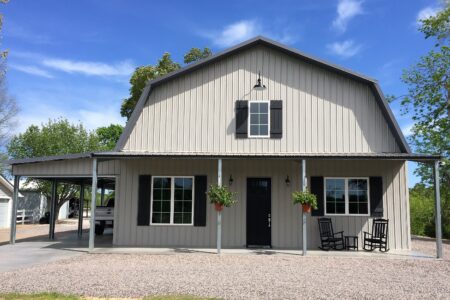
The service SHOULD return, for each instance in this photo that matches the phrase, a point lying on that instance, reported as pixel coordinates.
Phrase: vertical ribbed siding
(286, 219)
(323, 111)
(71, 167)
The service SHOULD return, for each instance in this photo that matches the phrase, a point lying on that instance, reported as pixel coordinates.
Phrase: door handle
(269, 220)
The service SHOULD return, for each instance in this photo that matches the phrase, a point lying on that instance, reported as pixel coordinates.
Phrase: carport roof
(207, 155)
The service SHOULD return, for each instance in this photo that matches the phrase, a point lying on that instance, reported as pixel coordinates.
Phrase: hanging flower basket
(218, 206)
(307, 200)
(221, 197)
(306, 208)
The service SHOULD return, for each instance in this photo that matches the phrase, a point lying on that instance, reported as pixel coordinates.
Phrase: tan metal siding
(73, 167)
(286, 219)
(323, 112)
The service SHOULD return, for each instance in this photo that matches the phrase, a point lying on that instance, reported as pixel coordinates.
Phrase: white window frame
(249, 119)
(347, 214)
(172, 200)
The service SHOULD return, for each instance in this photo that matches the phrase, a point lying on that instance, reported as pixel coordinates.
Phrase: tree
(56, 137)
(196, 54)
(144, 74)
(8, 106)
(109, 136)
(428, 100)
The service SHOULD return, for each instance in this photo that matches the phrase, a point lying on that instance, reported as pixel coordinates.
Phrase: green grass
(39, 296)
(57, 296)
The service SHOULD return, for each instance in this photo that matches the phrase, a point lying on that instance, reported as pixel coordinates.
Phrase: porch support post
(80, 209)
(93, 201)
(304, 235)
(12, 238)
(219, 213)
(437, 198)
(52, 221)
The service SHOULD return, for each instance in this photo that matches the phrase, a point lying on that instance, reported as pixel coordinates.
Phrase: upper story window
(259, 116)
(347, 196)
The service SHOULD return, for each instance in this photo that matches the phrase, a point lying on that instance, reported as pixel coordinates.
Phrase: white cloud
(32, 70)
(426, 12)
(124, 68)
(407, 129)
(240, 31)
(346, 10)
(345, 49)
(235, 33)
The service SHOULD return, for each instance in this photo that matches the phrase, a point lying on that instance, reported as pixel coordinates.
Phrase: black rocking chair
(379, 237)
(328, 238)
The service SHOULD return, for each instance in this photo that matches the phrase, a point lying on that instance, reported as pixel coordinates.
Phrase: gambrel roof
(259, 40)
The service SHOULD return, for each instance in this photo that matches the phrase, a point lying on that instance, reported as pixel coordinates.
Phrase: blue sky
(73, 59)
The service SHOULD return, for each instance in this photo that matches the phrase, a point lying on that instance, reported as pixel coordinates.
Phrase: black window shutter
(241, 119)
(276, 119)
(317, 188)
(200, 201)
(144, 190)
(376, 196)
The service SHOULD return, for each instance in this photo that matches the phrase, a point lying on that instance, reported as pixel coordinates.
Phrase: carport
(79, 169)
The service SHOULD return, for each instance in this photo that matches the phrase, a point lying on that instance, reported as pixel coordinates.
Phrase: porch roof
(418, 157)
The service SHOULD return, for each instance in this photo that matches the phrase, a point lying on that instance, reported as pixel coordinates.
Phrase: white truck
(104, 217)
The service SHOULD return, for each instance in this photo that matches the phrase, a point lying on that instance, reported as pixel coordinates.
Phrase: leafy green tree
(196, 54)
(56, 137)
(144, 74)
(8, 105)
(428, 100)
(109, 136)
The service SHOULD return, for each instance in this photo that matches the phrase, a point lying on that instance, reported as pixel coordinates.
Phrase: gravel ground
(238, 276)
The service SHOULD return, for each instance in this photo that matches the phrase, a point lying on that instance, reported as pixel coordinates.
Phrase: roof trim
(285, 49)
(206, 155)
(48, 158)
(391, 156)
(7, 183)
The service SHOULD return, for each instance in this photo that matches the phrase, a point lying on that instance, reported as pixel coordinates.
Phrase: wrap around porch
(289, 228)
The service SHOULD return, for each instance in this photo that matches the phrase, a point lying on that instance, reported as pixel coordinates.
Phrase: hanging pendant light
(259, 86)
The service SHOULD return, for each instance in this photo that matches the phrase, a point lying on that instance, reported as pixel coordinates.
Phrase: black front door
(258, 212)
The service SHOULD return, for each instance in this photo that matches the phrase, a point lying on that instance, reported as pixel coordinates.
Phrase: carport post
(12, 238)
(94, 194)
(80, 209)
(437, 198)
(304, 235)
(51, 234)
(219, 213)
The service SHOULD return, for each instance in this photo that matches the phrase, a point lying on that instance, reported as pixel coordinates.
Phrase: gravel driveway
(237, 276)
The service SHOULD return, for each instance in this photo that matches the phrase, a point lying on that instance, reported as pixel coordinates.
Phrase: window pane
(254, 130)
(254, 107)
(178, 206)
(187, 218)
(165, 218)
(264, 119)
(335, 196)
(178, 194)
(254, 119)
(357, 190)
(157, 194)
(363, 208)
(178, 183)
(178, 218)
(263, 130)
(166, 194)
(187, 206)
(156, 206)
(165, 206)
(264, 108)
(156, 218)
(157, 183)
